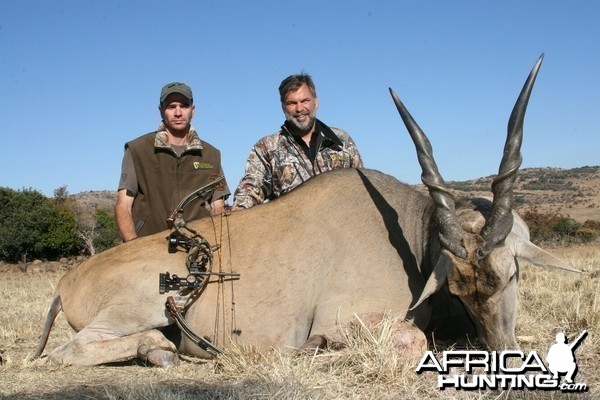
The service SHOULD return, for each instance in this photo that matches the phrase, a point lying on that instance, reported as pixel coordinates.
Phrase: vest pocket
(140, 222)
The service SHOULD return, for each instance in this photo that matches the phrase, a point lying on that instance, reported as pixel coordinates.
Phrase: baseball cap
(176, 87)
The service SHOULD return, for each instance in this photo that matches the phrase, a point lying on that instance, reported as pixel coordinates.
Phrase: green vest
(164, 179)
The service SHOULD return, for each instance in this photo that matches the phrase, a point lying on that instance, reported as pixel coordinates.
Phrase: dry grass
(550, 301)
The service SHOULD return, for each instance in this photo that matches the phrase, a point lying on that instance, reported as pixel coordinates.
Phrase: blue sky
(80, 78)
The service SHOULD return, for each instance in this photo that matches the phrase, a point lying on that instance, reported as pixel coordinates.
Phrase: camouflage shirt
(280, 162)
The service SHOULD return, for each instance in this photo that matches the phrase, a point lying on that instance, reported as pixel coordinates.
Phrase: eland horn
(451, 232)
(498, 226)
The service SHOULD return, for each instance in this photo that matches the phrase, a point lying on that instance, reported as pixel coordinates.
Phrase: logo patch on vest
(203, 165)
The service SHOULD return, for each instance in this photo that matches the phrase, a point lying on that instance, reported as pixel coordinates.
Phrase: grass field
(549, 302)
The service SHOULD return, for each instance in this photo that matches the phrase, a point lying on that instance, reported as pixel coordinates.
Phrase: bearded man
(302, 149)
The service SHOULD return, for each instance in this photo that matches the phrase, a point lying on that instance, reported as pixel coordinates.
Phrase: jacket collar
(330, 139)
(161, 140)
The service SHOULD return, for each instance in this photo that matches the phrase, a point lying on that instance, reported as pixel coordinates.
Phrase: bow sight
(199, 252)
(197, 261)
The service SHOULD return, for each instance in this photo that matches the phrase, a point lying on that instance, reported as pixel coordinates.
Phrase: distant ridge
(96, 199)
(571, 192)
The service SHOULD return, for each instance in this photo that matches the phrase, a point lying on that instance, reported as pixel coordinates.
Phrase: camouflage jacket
(278, 163)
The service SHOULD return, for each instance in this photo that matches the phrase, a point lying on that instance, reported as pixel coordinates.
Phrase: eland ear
(527, 251)
(523, 249)
(437, 279)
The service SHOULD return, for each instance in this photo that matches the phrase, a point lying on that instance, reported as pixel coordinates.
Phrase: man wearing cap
(160, 168)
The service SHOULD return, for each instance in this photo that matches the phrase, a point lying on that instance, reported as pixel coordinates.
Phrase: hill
(573, 193)
(98, 199)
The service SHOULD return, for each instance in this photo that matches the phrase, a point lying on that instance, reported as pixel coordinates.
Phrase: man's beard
(302, 126)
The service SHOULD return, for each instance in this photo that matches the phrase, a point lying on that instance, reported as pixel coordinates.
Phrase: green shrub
(107, 234)
(33, 226)
(552, 227)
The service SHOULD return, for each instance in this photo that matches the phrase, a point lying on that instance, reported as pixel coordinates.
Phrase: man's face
(177, 113)
(300, 108)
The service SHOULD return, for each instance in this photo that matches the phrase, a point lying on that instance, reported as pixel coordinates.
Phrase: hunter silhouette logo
(509, 369)
(561, 356)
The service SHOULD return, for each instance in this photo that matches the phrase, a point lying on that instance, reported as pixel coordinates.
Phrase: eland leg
(89, 348)
(314, 342)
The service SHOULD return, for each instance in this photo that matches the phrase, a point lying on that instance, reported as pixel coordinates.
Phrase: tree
(61, 238)
(61, 194)
(98, 231)
(106, 230)
(33, 226)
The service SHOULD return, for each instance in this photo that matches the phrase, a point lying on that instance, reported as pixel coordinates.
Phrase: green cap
(176, 87)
